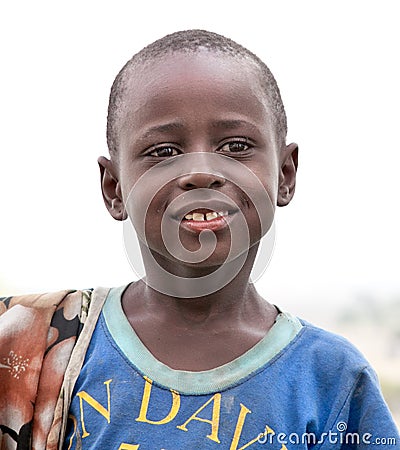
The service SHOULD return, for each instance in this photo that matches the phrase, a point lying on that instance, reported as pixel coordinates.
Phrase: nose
(206, 180)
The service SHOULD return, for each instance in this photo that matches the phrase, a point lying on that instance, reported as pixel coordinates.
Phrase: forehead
(196, 86)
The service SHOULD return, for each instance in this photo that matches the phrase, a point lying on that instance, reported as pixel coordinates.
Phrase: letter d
(176, 403)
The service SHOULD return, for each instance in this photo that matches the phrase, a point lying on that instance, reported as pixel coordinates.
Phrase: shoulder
(42, 316)
(331, 344)
(329, 353)
(31, 304)
(32, 325)
(339, 375)
(47, 307)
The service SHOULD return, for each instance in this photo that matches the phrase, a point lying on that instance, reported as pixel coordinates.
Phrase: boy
(190, 356)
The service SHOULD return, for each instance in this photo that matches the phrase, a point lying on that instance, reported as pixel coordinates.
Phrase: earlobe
(287, 175)
(111, 189)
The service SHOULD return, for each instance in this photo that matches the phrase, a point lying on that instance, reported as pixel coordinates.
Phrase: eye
(237, 146)
(164, 152)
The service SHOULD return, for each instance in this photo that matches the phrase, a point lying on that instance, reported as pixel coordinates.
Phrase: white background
(336, 63)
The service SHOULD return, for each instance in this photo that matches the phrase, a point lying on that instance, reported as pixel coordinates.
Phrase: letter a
(214, 422)
(128, 447)
(239, 427)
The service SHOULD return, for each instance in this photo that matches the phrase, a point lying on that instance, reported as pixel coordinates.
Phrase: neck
(198, 332)
(228, 294)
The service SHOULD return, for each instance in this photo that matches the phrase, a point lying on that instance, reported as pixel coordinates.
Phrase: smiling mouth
(204, 215)
(206, 212)
(198, 220)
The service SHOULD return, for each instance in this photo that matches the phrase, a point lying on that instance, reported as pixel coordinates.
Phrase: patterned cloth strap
(38, 343)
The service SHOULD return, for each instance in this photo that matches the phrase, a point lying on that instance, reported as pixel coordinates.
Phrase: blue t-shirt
(299, 387)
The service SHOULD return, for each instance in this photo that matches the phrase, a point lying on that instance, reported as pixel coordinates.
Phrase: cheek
(260, 193)
(145, 204)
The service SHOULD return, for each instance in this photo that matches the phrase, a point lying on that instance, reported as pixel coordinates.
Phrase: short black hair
(191, 41)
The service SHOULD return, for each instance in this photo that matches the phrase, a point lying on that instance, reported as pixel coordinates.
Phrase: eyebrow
(225, 124)
(233, 124)
(163, 128)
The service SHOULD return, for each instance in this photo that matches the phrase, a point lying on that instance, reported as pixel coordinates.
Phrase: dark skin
(198, 103)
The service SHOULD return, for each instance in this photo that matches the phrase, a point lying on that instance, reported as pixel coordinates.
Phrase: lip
(203, 205)
(217, 224)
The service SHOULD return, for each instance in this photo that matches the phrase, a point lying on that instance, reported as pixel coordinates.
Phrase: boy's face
(202, 105)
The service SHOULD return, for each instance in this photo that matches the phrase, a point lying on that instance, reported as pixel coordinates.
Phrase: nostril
(218, 183)
(201, 180)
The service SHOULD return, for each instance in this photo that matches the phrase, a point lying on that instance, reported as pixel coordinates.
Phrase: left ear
(287, 174)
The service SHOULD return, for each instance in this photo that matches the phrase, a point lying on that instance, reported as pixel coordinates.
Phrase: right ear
(111, 189)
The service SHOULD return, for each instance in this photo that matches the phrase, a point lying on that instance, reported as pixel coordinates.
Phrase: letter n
(106, 413)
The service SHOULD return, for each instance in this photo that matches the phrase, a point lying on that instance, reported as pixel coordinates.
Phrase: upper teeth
(208, 216)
